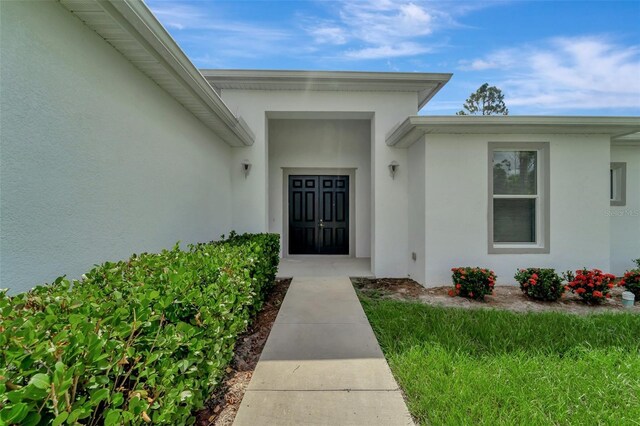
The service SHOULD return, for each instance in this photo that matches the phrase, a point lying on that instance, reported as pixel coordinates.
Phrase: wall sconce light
(246, 167)
(393, 168)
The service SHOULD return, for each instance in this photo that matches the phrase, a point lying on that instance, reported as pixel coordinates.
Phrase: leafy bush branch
(138, 341)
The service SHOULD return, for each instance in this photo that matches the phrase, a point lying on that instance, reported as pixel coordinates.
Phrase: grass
(460, 366)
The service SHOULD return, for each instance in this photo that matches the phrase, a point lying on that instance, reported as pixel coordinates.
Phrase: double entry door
(318, 214)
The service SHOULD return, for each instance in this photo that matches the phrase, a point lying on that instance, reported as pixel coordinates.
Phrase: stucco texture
(457, 195)
(625, 220)
(417, 206)
(389, 197)
(97, 162)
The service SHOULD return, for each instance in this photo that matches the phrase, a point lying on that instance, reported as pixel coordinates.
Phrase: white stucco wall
(389, 239)
(625, 220)
(303, 143)
(97, 162)
(456, 179)
(417, 218)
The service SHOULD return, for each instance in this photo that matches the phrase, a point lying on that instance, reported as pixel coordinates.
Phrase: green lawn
(460, 366)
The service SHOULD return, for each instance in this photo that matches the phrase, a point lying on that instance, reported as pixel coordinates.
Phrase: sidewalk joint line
(323, 390)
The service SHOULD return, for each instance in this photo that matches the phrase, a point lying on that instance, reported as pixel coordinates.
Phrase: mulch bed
(505, 297)
(223, 405)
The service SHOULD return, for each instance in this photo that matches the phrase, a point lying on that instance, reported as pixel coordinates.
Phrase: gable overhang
(414, 128)
(132, 29)
(627, 140)
(425, 85)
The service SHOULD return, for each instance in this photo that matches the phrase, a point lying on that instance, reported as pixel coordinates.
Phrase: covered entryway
(318, 214)
(325, 123)
(320, 190)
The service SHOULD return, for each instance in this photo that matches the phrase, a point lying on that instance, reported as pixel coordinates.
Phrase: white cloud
(386, 22)
(184, 17)
(355, 29)
(385, 28)
(481, 64)
(505, 58)
(175, 16)
(328, 35)
(386, 51)
(212, 40)
(566, 73)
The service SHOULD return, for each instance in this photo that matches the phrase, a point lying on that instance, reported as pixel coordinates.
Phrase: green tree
(487, 100)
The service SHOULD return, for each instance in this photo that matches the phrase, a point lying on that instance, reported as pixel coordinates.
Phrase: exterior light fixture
(393, 168)
(246, 167)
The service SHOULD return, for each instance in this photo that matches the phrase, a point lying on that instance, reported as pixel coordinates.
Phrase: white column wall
(322, 144)
(97, 162)
(417, 205)
(457, 194)
(390, 197)
(625, 220)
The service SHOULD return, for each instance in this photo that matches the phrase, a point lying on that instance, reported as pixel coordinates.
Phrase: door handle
(321, 224)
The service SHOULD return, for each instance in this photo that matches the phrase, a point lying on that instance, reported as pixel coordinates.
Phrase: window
(618, 184)
(518, 197)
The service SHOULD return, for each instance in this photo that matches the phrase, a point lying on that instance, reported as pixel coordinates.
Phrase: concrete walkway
(322, 364)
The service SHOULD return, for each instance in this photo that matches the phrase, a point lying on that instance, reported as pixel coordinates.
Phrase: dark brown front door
(318, 214)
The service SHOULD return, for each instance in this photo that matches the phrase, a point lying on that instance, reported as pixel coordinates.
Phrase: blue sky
(548, 57)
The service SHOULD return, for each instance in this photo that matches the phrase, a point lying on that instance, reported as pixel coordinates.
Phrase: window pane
(617, 185)
(612, 192)
(515, 172)
(514, 220)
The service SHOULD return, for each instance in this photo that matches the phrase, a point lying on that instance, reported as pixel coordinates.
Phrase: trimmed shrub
(591, 285)
(473, 283)
(631, 282)
(264, 259)
(142, 340)
(540, 283)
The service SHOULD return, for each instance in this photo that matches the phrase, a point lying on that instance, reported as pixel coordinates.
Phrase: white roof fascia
(627, 140)
(132, 29)
(425, 85)
(413, 128)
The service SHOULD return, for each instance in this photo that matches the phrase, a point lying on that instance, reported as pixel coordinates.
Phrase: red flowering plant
(540, 283)
(473, 283)
(631, 281)
(591, 285)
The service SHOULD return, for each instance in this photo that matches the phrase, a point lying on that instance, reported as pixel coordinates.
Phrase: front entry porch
(321, 266)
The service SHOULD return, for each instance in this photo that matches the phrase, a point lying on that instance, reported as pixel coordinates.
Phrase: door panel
(327, 206)
(341, 209)
(303, 220)
(335, 213)
(310, 206)
(319, 214)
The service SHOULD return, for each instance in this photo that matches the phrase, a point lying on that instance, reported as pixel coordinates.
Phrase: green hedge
(142, 340)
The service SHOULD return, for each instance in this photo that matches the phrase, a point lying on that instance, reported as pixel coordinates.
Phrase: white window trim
(619, 174)
(543, 234)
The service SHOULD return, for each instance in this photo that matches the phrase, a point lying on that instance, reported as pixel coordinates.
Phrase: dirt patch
(223, 405)
(505, 297)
